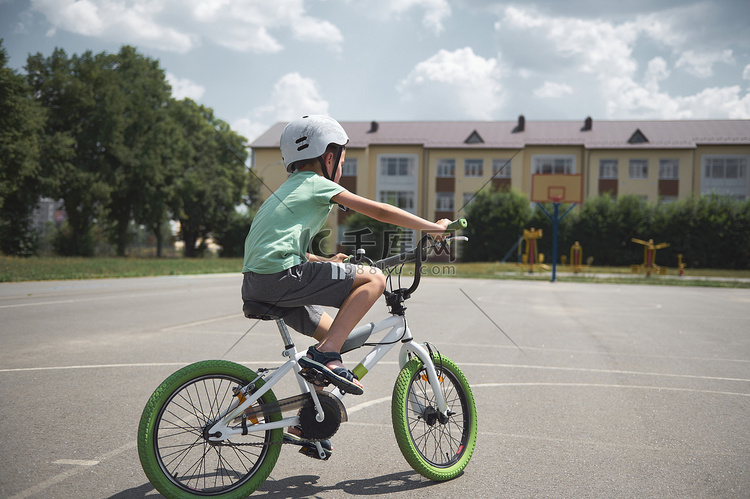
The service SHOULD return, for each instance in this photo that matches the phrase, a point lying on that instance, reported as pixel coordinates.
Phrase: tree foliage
(496, 221)
(21, 174)
(118, 149)
(213, 178)
(709, 231)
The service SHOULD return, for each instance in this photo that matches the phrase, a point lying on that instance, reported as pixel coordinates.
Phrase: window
(444, 201)
(669, 169)
(397, 180)
(473, 167)
(608, 169)
(557, 165)
(446, 168)
(726, 175)
(726, 167)
(468, 198)
(401, 199)
(396, 166)
(638, 168)
(501, 168)
(349, 168)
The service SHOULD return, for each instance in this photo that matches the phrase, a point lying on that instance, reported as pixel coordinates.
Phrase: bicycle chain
(267, 410)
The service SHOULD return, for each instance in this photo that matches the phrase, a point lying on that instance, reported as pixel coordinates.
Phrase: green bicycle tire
(438, 451)
(177, 391)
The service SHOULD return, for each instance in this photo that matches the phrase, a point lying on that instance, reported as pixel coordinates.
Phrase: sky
(257, 62)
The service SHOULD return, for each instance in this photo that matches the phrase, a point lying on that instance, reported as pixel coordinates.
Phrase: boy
(278, 270)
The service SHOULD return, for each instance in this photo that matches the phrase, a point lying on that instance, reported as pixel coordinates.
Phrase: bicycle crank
(334, 412)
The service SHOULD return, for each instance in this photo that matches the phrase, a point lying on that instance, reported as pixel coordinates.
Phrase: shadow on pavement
(305, 486)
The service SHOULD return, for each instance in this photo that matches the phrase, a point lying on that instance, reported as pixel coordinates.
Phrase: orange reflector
(424, 378)
(242, 398)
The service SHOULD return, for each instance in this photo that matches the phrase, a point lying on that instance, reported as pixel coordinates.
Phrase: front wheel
(173, 445)
(436, 446)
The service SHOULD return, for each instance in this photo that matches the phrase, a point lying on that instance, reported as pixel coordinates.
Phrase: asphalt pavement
(582, 390)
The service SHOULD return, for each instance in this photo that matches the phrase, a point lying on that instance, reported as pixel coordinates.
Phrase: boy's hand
(339, 258)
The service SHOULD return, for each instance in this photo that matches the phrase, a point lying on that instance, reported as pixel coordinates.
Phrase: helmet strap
(336, 159)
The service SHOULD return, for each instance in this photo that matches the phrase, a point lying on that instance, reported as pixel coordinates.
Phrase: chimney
(587, 125)
(521, 124)
(373, 127)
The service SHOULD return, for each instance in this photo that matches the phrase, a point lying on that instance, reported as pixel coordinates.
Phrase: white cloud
(462, 75)
(746, 73)
(115, 20)
(656, 72)
(183, 87)
(605, 50)
(249, 129)
(552, 90)
(181, 25)
(435, 11)
(701, 64)
(293, 96)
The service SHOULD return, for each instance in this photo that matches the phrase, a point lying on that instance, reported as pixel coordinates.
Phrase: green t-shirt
(286, 222)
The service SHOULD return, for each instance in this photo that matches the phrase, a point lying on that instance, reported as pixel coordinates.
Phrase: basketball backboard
(550, 188)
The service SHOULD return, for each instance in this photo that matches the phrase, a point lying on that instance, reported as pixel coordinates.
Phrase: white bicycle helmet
(308, 137)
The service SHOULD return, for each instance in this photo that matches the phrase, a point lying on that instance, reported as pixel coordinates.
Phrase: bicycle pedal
(315, 377)
(311, 451)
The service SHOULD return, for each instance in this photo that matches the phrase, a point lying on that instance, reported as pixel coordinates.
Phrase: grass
(58, 268)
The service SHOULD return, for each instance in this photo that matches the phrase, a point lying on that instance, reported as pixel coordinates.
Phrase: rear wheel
(438, 447)
(173, 444)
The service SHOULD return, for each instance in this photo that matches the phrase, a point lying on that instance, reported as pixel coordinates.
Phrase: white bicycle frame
(399, 333)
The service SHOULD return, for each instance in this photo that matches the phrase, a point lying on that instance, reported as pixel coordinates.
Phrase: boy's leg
(369, 284)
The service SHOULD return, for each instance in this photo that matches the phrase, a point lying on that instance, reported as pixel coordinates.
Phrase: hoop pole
(555, 219)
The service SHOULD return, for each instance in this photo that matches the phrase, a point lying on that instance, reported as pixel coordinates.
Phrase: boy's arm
(388, 213)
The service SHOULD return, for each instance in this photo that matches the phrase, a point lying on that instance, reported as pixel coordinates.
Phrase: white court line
(200, 323)
(76, 462)
(601, 385)
(473, 364)
(42, 486)
(590, 352)
(87, 299)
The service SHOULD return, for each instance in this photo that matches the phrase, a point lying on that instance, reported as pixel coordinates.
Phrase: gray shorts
(304, 288)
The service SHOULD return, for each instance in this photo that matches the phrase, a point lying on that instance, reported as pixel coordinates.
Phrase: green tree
(212, 178)
(605, 227)
(231, 238)
(496, 221)
(378, 239)
(138, 144)
(22, 179)
(112, 107)
(70, 89)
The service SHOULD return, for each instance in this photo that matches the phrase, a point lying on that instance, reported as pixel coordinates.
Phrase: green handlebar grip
(457, 224)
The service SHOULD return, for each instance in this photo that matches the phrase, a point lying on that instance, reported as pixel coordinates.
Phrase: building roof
(678, 134)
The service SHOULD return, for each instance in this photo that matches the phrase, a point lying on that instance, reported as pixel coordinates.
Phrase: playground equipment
(680, 265)
(531, 256)
(576, 257)
(649, 257)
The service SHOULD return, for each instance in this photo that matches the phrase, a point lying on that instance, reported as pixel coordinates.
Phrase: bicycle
(215, 428)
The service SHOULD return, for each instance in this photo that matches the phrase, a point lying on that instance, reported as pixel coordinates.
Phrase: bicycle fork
(399, 333)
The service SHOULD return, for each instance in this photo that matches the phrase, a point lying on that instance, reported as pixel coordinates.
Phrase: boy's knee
(379, 279)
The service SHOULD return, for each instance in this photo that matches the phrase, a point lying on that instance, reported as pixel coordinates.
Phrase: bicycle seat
(264, 311)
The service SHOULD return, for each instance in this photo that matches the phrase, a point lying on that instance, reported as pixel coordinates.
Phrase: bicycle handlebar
(459, 224)
(417, 255)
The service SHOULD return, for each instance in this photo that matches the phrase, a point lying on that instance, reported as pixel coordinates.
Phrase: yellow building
(433, 168)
